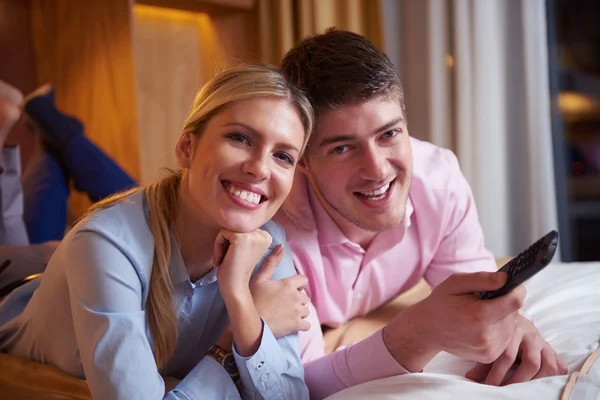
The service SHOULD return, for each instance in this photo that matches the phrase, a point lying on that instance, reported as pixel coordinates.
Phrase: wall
(17, 66)
(84, 49)
(175, 52)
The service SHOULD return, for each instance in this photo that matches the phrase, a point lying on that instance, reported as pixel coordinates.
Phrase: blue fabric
(88, 318)
(45, 193)
(68, 155)
(93, 172)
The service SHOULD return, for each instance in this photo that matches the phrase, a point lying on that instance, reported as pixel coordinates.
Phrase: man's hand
(537, 359)
(454, 319)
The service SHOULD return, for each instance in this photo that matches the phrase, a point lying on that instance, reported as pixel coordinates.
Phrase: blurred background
(511, 86)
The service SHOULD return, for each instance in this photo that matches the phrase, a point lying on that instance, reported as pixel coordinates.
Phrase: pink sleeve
(312, 344)
(360, 362)
(461, 247)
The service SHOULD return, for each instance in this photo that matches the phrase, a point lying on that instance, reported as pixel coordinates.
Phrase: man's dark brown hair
(339, 68)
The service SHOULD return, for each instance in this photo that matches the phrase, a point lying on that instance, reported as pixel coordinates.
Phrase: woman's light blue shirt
(87, 316)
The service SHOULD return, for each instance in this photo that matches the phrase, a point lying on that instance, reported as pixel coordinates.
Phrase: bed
(564, 301)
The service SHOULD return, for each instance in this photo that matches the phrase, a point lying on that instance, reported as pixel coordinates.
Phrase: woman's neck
(196, 239)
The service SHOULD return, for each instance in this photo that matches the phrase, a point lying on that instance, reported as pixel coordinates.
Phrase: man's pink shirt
(440, 235)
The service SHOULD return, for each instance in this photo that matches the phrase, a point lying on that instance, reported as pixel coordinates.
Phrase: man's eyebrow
(334, 139)
(254, 132)
(348, 138)
(390, 124)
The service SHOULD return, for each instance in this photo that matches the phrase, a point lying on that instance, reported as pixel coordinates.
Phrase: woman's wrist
(246, 325)
(225, 341)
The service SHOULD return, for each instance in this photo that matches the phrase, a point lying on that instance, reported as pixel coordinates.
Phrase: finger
(479, 372)
(303, 325)
(549, 365)
(304, 300)
(531, 359)
(304, 312)
(503, 364)
(562, 367)
(474, 282)
(271, 262)
(221, 246)
(298, 282)
(503, 306)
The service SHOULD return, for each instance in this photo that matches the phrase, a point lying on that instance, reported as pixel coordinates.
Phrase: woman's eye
(339, 150)
(239, 137)
(285, 157)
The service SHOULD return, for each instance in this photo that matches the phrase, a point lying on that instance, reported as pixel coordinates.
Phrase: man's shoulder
(434, 167)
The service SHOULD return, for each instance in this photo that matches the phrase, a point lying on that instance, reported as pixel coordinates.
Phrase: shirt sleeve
(110, 328)
(275, 371)
(462, 247)
(360, 362)
(12, 227)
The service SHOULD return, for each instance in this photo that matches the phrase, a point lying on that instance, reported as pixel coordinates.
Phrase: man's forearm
(360, 362)
(360, 328)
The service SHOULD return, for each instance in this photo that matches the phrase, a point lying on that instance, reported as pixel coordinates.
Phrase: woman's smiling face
(240, 168)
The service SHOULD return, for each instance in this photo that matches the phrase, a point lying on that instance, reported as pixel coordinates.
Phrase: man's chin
(380, 222)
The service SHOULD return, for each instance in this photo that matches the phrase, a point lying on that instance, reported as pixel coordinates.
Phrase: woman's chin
(242, 225)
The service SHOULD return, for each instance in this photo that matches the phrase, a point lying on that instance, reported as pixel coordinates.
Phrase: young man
(372, 212)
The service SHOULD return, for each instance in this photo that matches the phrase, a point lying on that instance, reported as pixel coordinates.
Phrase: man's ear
(184, 150)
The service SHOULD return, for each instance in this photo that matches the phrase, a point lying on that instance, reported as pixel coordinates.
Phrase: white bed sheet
(564, 301)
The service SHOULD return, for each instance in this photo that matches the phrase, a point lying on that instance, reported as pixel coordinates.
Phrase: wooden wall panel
(84, 49)
(175, 52)
(168, 72)
(17, 67)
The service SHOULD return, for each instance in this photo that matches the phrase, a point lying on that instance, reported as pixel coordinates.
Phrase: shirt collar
(179, 273)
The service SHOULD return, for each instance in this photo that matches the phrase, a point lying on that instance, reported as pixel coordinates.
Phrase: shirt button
(264, 378)
(358, 295)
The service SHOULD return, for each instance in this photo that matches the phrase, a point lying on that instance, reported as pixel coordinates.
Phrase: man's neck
(352, 232)
(355, 234)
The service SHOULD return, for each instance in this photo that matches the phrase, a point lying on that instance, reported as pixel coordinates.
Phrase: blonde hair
(242, 82)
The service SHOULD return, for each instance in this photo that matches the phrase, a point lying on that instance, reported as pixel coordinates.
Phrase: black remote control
(526, 264)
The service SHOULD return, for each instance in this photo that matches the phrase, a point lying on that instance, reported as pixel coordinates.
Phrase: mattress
(564, 302)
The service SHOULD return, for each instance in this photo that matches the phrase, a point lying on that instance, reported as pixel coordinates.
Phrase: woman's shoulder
(276, 231)
(121, 219)
(124, 224)
(286, 266)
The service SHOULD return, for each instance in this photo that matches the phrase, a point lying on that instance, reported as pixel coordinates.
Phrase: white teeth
(377, 192)
(250, 197)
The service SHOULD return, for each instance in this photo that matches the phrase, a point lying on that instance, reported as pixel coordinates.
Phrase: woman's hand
(236, 255)
(280, 303)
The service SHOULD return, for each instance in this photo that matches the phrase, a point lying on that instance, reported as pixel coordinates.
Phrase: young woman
(160, 281)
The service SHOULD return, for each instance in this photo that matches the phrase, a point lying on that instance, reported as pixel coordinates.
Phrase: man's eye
(391, 134)
(339, 150)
